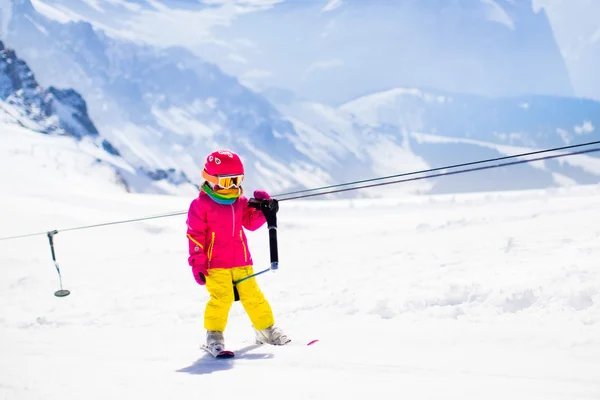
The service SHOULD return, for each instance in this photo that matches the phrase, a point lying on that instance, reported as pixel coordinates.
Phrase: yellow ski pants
(219, 284)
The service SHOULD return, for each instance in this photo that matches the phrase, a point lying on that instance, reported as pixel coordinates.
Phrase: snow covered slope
(472, 296)
(35, 163)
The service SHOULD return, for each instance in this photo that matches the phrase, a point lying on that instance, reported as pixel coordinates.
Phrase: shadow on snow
(207, 364)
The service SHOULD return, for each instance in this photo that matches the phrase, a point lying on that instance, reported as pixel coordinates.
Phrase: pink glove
(200, 273)
(261, 195)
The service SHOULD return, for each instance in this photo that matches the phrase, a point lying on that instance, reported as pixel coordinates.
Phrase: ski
(290, 343)
(219, 354)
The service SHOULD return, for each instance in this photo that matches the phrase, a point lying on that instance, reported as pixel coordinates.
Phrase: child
(219, 253)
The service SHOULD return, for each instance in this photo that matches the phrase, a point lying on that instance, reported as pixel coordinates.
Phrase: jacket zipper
(232, 221)
(210, 247)
(244, 246)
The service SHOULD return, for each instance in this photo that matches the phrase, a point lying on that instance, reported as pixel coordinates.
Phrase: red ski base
(221, 354)
(225, 354)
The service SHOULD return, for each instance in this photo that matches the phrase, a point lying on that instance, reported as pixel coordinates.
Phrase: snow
(14, 113)
(32, 162)
(181, 121)
(382, 107)
(471, 296)
(388, 156)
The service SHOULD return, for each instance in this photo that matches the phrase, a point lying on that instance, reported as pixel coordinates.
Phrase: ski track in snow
(473, 296)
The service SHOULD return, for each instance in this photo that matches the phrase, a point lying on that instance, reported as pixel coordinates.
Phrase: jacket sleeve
(196, 234)
(252, 218)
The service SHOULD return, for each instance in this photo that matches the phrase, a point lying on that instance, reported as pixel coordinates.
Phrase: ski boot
(272, 335)
(215, 343)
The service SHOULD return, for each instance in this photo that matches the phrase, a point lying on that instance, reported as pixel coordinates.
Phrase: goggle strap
(212, 179)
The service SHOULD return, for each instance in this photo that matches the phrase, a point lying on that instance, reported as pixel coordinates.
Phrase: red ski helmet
(223, 163)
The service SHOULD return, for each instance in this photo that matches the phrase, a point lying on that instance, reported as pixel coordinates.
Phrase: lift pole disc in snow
(62, 292)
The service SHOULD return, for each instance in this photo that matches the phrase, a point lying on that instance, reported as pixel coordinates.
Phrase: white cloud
(332, 5)
(324, 65)
(126, 4)
(564, 135)
(157, 5)
(184, 27)
(63, 14)
(254, 74)
(497, 14)
(237, 58)
(255, 78)
(245, 6)
(245, 43)
(329, 29)
(584, 128)
(176, 27)
(94, 4)
(55, 13)
(596, 36)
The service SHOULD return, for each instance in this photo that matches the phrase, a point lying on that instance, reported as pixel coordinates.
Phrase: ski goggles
(230, 181)
(225, 181)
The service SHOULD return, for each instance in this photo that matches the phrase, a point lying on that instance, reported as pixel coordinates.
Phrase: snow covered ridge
(535, 121)
(63, 112)
(51, 110)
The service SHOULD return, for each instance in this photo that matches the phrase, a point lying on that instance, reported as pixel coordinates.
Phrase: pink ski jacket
(216, 237)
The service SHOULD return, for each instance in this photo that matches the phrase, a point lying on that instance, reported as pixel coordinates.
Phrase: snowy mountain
(533, 121)
(332, 51)
(410, 129)
(445, 128)
(164, 110)
(28, 110)
(51, 110)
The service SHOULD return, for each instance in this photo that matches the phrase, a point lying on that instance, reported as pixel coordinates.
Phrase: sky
(209, 29)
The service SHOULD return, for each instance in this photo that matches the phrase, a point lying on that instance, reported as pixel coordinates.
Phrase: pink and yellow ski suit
(218, 244)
